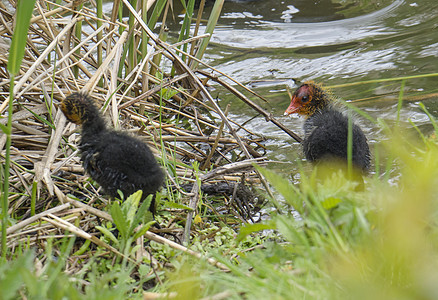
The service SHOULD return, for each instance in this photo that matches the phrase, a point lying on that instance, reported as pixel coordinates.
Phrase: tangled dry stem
(175, 114)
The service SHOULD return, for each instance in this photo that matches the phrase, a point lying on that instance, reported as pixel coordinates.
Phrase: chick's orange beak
(293, 107)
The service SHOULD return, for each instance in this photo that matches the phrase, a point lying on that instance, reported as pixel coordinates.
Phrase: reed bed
(155, 90)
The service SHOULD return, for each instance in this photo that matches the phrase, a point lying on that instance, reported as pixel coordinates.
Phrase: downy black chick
(114, 159)
(326, 130)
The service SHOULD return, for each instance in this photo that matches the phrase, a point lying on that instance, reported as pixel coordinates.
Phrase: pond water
(269, 45)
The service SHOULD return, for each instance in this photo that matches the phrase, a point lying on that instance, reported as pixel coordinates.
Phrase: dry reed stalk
(183, 126)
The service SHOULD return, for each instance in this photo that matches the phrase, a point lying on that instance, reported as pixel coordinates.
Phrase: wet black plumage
(326, 128)
(326, 137)
(115, 160)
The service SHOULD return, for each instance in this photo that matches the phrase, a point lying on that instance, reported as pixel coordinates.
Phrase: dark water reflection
(271, 44)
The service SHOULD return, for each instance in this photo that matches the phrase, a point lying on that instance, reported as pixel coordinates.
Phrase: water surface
(269, 45)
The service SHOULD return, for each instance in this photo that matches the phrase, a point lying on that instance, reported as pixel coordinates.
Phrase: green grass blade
(211, 24)
(144, 44)
(383, 80)
(350, 147)
(185, 28)
(158, 8)
(5, 204)
(131, 42)
(33, 198)
(19, 39)
(431, 118)
(99, 13)
(400, 100)
(78, 35)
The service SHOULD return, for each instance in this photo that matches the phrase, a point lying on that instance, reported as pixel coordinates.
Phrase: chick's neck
(321, 101)
(93, 123)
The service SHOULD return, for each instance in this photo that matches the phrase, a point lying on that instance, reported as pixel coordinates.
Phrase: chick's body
(115, 160)
(326, 138)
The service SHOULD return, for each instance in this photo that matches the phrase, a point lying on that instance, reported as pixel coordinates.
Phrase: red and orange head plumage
(307, 99)
(78, 108)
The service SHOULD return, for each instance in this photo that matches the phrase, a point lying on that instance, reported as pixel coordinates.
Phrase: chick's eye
(305, 99)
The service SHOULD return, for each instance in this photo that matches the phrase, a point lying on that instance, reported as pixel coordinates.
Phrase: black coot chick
(326, 129)
(115, 160)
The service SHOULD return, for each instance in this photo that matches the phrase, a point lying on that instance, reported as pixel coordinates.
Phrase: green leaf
(330, 202)
(143, 230)
(87, 243)
(142, 214)
(39, 118)
(4, 128)
(143, 270)
(130, 206)
(119, 219)
(107, 233)
(176, 205)
(251, 228)
(19, 39)
(168, 93)
(121, 196)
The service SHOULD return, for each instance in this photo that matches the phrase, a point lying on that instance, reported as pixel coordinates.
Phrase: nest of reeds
(156, 90)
